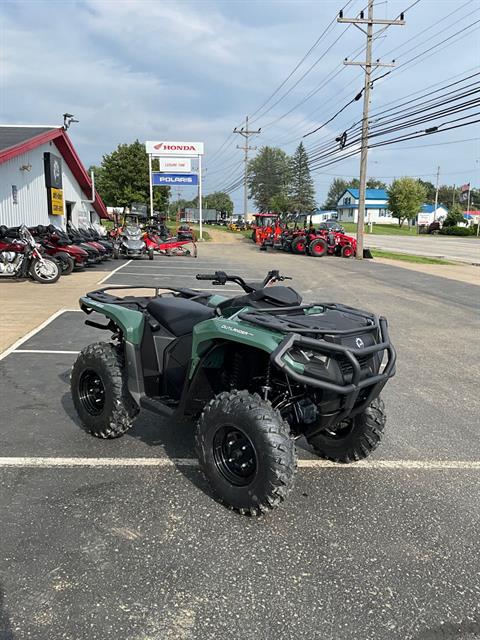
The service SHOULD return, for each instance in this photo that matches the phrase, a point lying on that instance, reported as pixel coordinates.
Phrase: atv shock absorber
(266, 388)
(236, 370)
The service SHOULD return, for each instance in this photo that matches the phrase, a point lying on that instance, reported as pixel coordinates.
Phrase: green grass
(206, 236)
(382, 229)
(408, 257)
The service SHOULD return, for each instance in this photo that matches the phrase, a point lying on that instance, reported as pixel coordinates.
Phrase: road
(462, 249)
(94, 548)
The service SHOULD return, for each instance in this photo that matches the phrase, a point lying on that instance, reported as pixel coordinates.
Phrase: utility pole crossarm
(245, 132)
(368, 21)
(377, 63)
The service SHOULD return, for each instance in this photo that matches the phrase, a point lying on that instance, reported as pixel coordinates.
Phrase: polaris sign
(174, 179)
(162, 148)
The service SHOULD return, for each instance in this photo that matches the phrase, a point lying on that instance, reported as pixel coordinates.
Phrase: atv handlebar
(206, 276)
(221, 278)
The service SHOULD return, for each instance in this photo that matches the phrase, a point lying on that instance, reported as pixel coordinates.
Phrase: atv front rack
(354, 357)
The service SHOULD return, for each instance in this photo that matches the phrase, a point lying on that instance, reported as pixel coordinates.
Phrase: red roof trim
(64, 145)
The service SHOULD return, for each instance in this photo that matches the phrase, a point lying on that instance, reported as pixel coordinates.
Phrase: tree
(282, 203)
(338, 186)
(429, 191)
(454, 216)
(268, 176)
(405, 199)
(219, 201)
(122, 178)
(301, 189)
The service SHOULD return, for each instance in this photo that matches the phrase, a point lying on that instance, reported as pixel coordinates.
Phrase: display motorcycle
(57, 244)
(78, 238)
(129, 243)
(20, 257)
(94, 236)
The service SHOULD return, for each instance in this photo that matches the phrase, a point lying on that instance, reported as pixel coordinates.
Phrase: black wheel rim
(340, 430)
(91, 392)
(234, 455)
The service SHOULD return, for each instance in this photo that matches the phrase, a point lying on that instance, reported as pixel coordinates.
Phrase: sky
(192, 70)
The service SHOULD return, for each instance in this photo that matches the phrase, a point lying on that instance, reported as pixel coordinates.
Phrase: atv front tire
(245, 450)
(99, 390)
(353, 439)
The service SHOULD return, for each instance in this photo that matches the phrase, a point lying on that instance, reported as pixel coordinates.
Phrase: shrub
(457, 231)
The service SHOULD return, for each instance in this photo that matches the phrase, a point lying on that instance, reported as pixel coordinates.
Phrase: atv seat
(178, 315)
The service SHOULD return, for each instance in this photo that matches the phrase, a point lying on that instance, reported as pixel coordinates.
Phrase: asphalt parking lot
(123, 539)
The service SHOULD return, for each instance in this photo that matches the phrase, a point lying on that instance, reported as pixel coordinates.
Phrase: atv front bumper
(362, 387)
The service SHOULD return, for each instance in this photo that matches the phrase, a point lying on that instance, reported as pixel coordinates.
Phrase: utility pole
(368, 67)
(436, 195)
(245, 132)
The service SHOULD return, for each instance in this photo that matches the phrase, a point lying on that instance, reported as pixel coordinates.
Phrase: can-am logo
(174, 147)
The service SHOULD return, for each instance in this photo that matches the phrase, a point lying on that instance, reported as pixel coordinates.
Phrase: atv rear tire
(353, 439)
(299, 245)
(245, 450)
(150, 254)
(99, 390)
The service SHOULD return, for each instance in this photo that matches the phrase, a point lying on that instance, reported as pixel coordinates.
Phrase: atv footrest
(156, 406)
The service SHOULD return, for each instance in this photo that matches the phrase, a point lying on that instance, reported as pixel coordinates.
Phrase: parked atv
(255, 371)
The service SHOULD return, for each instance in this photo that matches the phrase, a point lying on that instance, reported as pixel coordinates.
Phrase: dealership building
(42, 179)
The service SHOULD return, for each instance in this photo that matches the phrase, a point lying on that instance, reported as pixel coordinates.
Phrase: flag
(464, 189)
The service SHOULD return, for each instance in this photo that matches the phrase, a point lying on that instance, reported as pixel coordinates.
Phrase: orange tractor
(266, 225)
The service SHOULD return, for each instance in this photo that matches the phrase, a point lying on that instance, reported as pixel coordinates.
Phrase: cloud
(192, 70)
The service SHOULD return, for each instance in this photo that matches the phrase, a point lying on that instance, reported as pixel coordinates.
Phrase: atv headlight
(306, 356)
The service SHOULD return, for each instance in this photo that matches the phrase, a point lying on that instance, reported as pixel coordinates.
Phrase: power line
(297, 66)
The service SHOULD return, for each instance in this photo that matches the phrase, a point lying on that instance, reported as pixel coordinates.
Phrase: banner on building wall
(53, 171)
(55, 202)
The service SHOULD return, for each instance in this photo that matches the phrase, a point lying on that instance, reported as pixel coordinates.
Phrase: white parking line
(218, 289)
(110, 273)
(165, 275)
(421, 465)
(42, 351)
(191, 265)
(33, 332)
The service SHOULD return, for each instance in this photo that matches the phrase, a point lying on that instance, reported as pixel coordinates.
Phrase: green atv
(255, 371)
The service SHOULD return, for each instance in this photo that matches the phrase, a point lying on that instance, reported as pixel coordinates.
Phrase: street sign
(162, 148)
(183, 165)
(174, 179)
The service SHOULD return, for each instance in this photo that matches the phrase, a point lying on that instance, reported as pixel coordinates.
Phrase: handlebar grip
(206, 276)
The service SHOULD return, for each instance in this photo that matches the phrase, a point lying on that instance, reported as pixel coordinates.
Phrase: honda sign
(162, 148)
